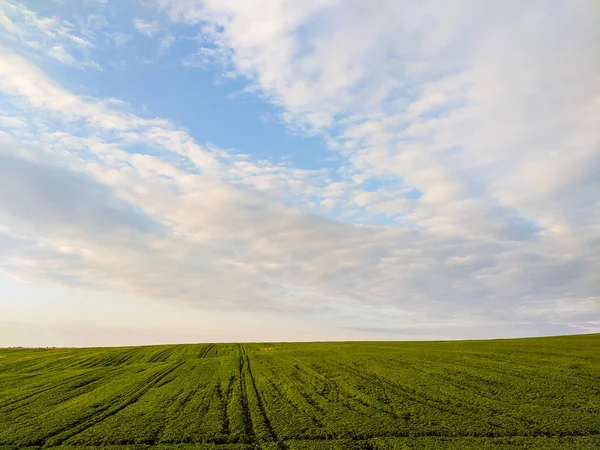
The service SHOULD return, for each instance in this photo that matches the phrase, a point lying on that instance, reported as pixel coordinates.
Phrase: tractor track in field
(161, 356)
(246, 416)
(54, 386)
(297, 404)
(205, 351)
(69, 431)
(224, 398)
(181, 406)
(261, 407)
(406, 392)
(247, 382)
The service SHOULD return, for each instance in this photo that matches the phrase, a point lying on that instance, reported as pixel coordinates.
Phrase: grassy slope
(522, 393)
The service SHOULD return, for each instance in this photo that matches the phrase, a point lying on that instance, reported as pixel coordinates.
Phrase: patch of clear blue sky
(189, 98)
(212, 109)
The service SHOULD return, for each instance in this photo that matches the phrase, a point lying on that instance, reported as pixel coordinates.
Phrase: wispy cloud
(146, 27)
(166, 43)
(51, 36)
(120, 39)
(455, 102)
(59, 53)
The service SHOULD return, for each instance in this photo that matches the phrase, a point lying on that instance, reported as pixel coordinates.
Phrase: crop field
(522, 393)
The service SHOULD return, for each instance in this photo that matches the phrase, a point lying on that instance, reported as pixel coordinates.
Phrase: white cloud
(59, 53)
(119, 39)
(436, 96)
(51, 37)
(146, 27)
(166, 43)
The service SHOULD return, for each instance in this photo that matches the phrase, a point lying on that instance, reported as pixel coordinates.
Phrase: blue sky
(203, 170)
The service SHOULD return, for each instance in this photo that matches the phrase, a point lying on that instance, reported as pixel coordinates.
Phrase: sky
(223, 170)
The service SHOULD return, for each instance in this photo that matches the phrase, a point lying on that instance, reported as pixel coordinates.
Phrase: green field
(522, 393)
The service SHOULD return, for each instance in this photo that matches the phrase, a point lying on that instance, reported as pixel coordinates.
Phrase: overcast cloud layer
(465, 191)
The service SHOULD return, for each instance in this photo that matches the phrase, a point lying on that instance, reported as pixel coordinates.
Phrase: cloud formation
(467, 192)
(47, 37)
(146, 27)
